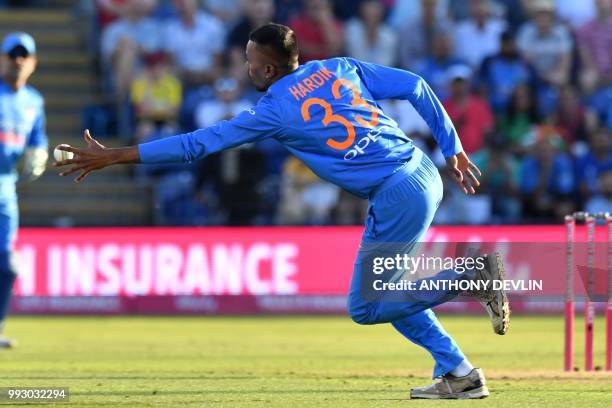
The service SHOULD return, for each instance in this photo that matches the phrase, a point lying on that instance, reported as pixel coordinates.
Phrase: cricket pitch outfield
(288, 361)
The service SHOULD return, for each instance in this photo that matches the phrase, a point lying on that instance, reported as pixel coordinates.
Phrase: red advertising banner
(214, 270)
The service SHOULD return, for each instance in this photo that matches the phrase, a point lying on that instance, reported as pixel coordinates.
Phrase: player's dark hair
(278, 39)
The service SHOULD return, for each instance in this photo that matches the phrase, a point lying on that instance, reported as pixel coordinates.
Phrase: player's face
(18, 65)
(260, 66)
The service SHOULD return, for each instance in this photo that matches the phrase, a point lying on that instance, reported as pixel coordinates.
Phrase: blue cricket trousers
(9, 219)
(400, 211)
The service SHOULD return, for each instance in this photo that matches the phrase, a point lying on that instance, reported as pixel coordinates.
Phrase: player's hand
(94, 157)
(462, 171)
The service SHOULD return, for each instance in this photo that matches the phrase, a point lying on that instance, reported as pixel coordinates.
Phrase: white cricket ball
(61, 155)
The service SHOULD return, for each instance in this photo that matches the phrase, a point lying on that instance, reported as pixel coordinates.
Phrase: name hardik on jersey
(326, 114)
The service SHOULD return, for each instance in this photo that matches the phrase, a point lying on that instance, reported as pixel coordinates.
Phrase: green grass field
(286, 362)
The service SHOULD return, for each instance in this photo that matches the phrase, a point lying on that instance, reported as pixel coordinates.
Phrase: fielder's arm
(392, 83)
(260, 122)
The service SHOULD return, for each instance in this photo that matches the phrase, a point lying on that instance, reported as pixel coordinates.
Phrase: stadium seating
(66, 79)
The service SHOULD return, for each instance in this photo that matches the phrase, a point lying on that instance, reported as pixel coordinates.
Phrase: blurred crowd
(527, 83)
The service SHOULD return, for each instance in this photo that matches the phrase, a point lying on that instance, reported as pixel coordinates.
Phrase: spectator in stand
(470, 113)
(156, 97)
(368, 38)
(416, 35)
(256, 13)
(228, 11)
(305, 198)
(109, 11)
(602, 201)
(286, 10)
(514, 11)
(500, 178)
(434, 69)
(607, 115)
(518, 122)
(126, 40)
(478, 37)
(570, 116)
(457, 208)
(547, 178)
(596, 160)
(196, 41)
(345, 9)
(226, 104)
(546, 43)
(229, 173)
(501, 73)
(96, 15)
(510, 10)
(409, 121)
(350, 210)
(404, 11)
(599, 102)
(594, 39)
(576, 13)
(320, 33)
(234, 180)
(458, 10)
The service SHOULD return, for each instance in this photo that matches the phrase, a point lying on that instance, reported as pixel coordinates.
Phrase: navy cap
(16, 39)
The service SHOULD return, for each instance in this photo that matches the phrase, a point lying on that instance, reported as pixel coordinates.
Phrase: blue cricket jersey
(22, 125)
(326, 114)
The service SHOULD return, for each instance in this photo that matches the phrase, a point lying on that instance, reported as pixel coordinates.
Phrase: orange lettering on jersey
(307, 85)
(326, 74)
(317, 79)
(296, 93)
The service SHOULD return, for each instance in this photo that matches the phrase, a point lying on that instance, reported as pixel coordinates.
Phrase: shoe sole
(497, 268)
(477, 393)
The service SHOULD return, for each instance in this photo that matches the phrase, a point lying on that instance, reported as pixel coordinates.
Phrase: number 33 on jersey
(326, 114)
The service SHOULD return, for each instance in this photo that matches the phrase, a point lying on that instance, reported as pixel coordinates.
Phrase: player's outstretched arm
(462, 171)
(261, 121)
(95, 157)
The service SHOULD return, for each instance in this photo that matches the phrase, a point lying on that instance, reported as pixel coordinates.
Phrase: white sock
(463, 369)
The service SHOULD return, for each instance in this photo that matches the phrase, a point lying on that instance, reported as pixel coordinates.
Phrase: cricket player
(325, 113)
(22, 133)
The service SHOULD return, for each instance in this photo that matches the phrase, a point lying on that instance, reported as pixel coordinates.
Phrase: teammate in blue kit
(22, 133)
(325, 113)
